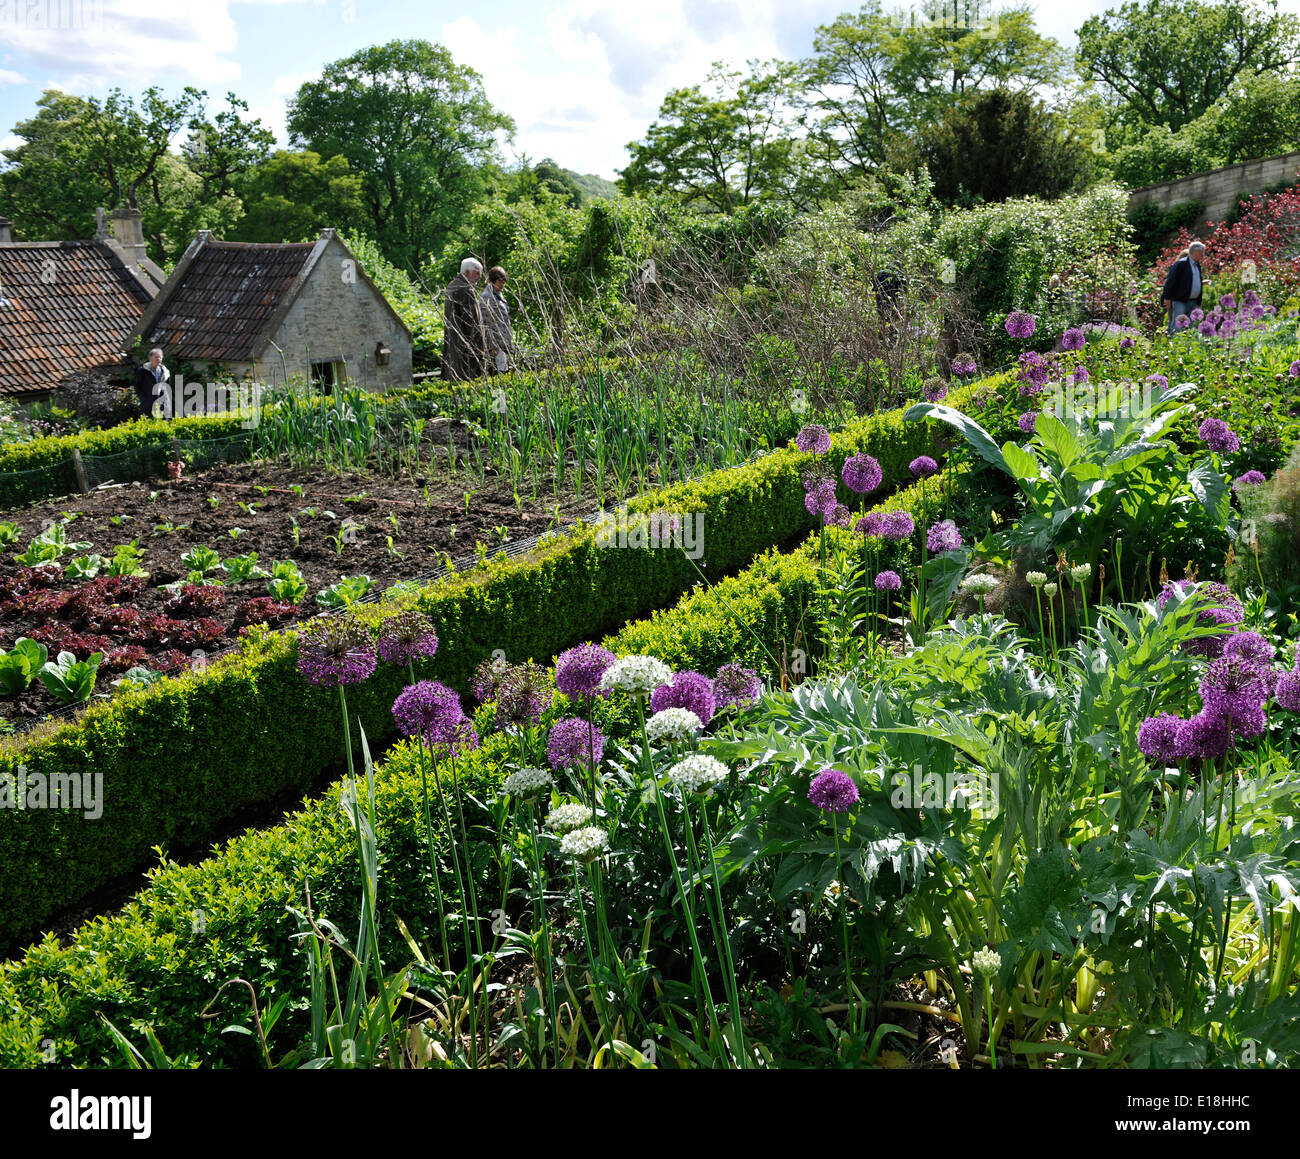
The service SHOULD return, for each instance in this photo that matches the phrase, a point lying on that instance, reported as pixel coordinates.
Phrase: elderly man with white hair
(464, 341)
(1182, 292)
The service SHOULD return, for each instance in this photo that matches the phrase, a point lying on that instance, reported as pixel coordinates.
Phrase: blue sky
(581, 78)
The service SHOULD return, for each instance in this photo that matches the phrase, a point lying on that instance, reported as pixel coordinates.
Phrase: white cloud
(9, 77)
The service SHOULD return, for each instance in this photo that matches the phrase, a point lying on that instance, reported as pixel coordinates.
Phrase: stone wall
(1219, 189)
(339, 317)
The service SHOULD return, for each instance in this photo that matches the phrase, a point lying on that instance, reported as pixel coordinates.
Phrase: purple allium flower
(736, 687)
(465, 739)
(833, 791)
(1159, 379)
(1020, 325)
(429, 710)
(1202, 736)
(934, 390)
(578, 671)
(897, 525)
(1250, 646)
(1234, 689)
(1257, 312)
(574, 744)
(336, 650)
(1126, 343)
(1027, 420)
(1249, 479)
(964, 364)
(922, 466)
(1073, 339)
(407, 636)
(1250, 298)
(862, 474)
(523, 693)
(813, 439)
(1216, 435)
(1158, 737)
(1206, 328)
(1197, 314)
(819, 496)
(1033, 370)
(1080, 374)
(1228, 302)
(1287, 691)
(690, 690)
(837, 516)
(942, 537)
(888, 581)
(872, 523)
(487, 679)
(1294, 369)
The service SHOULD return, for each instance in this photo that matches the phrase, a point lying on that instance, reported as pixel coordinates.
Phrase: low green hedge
(161, 960)
(180, 759)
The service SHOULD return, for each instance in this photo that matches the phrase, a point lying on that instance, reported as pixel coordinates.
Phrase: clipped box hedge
(156, 964)
(180, 759)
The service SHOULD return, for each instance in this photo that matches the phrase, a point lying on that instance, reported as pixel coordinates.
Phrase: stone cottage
(72, 306)
(269, 313)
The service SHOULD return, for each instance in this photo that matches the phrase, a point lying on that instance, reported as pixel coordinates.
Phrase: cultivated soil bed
(343, 522)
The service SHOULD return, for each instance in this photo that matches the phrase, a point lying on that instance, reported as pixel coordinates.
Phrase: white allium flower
(698, 773)
(563, 818)
(1049, 590)
(986, 962)
(636, 675)
(1080, 572)
(527, 784)
(585, 844)
(979, 585)
(673, 724)
(1036, 578)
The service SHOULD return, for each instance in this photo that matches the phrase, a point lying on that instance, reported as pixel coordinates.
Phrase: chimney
(6, 237)
(128, 232)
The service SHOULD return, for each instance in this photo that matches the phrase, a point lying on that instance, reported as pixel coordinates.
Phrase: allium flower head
(487, 679)
(578, 671)
(1203, 736)
(814, 439)
(1126, 343)
(574, 743)
(736, 687)
(1216, 435)
(690, 690)
(819, 497)
(833, 791)
(837, 515)
(1228, 302)
(585, 844)
(336, 650)
(1287, 691)
(528, 784)
(523, 693)
(431, 711)
(1049, 590)
(888, 581)
(1158, 737)
(1080, 374)
(986, 962)
(1073, 339)
(1206, 328)
(567, 817)
(943, 536)
(934, 390)
(1249, 479)
(862, 474)
(872, 523)
(1020, 324)
(1027, 421)
(1035, 579)
(964, 364)
(1294, 369)
(1159, 380)
(673, 724)
(407, 636)
(698, 773)
(979, 585)
(1250, 646)
(897, 525)
(922, 466)
(1197, 314)
(1234, 689)
(636, 675)
(1081, 572)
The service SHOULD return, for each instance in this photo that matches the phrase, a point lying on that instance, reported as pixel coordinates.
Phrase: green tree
(877, 74)
(1167, 62)
(722, 149)
(995, 145)
(293, 195)
(225, 150)
(417, 127)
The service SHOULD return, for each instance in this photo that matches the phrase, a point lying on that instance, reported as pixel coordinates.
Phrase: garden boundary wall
(1219, 189)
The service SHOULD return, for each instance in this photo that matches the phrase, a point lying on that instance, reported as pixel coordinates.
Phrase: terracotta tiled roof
(223, 301)
(68, 306)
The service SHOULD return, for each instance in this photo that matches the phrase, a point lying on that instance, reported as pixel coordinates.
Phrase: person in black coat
(464, 341)
(1183, 286)
(147, 379)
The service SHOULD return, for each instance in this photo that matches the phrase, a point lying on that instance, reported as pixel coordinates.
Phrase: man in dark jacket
(151, 385)
(464, 344)
(1182, 292)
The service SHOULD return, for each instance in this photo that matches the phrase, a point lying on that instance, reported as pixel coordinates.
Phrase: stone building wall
(1219, 189)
